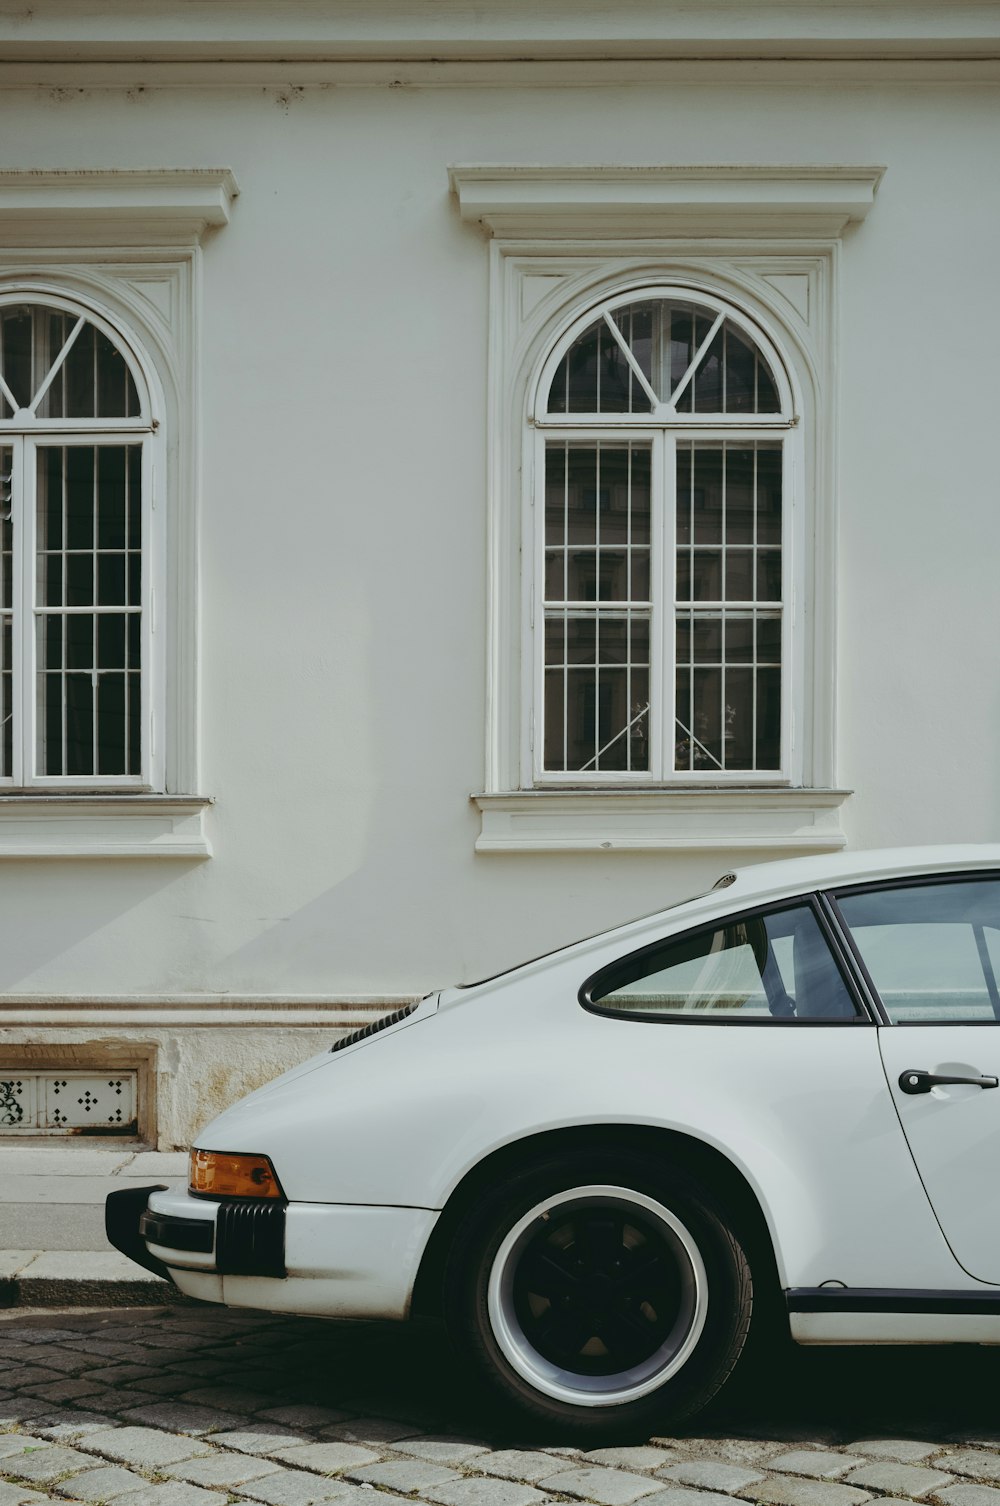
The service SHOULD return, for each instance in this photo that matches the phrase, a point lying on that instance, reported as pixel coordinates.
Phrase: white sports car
(594, 1165)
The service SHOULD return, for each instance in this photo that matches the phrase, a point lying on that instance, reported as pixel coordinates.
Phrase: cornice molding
(528, 201)
(220, 31)
(114, 207)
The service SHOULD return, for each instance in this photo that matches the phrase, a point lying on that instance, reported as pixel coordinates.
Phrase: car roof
(756, 884)
(829, 870)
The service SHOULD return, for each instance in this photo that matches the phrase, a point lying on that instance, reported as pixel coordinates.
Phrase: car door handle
(915, 1081)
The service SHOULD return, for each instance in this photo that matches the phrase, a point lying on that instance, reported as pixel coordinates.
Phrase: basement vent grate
(67, 1102)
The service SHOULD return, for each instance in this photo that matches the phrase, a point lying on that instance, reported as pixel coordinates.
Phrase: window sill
(777, 820)
(103, 826)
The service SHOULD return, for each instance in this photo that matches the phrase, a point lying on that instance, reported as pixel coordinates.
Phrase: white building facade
(469, 476)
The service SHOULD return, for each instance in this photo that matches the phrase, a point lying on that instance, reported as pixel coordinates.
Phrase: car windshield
(721, 883)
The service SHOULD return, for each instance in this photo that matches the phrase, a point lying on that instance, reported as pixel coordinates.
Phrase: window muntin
(761, 967)
(75, 442)
(663, 556)
(931, 950)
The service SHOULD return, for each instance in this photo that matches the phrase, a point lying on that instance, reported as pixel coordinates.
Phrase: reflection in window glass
(763, 967)
(931, 950)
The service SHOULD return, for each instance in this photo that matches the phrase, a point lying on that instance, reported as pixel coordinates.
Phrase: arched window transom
(663, 353)
(75, 431)
(664, 436)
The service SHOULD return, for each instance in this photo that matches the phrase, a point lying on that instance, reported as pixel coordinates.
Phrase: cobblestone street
(189, 1407)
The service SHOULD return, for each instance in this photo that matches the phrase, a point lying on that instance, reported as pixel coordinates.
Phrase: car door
(931, 953)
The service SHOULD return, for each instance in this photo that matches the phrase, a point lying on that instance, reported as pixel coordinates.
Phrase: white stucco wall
(343, 522)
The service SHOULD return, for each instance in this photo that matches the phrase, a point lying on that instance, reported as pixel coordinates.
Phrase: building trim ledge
(104, 826)
(173, 1012)
(524, 201)
(113, 207)
(771, 820)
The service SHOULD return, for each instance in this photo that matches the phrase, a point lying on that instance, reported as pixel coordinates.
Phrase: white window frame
(27, 436)
(127, 245)
(664, 430)
(764, 240)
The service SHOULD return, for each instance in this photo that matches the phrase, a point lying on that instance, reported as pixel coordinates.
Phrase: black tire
(599, 1296)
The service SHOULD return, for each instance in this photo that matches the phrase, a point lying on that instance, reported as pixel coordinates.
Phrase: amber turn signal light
(217, 1174)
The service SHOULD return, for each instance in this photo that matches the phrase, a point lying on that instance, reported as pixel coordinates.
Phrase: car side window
(759, 967)
(931, 950)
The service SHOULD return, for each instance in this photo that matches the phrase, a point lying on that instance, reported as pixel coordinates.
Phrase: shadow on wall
(50, 908)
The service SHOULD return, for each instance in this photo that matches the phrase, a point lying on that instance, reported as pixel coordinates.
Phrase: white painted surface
(335, 469)
(953, 1132)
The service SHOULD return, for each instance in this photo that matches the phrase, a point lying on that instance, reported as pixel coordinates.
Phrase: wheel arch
(702, 1161)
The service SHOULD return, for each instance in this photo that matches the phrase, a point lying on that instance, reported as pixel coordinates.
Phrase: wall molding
(104, 826)
(195, 1011)
(770, 820)
(114, 207)
(526, 201)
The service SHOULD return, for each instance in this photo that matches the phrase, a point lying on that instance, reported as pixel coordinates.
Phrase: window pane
(15, 356)
(594, 376)
(930, 949)
(6, 612)
(728, 717)
(92, 379)
(597, 524)
(89, 522)
(596, 693)
(774, 967)
(733, 376)
(6, 697)
(664, 336)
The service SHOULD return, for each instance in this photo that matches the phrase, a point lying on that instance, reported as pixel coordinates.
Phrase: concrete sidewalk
(53, 1249)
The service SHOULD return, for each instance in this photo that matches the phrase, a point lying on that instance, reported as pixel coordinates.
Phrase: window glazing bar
(57, 365)
(637, 370)
(699, 356)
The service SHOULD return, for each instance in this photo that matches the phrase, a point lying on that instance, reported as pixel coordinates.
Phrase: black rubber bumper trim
(122, 1212)
(178, 1233)
(861, 1299)
(250, 1238)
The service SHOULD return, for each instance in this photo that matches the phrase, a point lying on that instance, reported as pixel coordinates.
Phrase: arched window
(75, 434)
(664, 422)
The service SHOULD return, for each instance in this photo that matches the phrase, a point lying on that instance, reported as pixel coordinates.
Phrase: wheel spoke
(543, 1272)
(647, 1271)
(599, 1238)
(627, 1335)
(563, 1334)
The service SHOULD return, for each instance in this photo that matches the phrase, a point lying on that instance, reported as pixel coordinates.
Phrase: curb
(51, 1291)
(80, 1278)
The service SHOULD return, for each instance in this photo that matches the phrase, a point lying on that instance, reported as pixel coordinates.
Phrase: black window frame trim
(880, 886)
(840, 956)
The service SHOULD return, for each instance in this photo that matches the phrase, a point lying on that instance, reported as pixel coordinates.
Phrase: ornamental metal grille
(73, 611)
(68, 1102)
(661, 567)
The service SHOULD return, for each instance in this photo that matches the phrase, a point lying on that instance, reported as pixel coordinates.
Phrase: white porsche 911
(595, 1164)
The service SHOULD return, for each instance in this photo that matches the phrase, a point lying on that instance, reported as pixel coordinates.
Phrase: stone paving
(202, 1407)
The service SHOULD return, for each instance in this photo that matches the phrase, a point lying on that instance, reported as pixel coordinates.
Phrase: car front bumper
(334, 1260)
